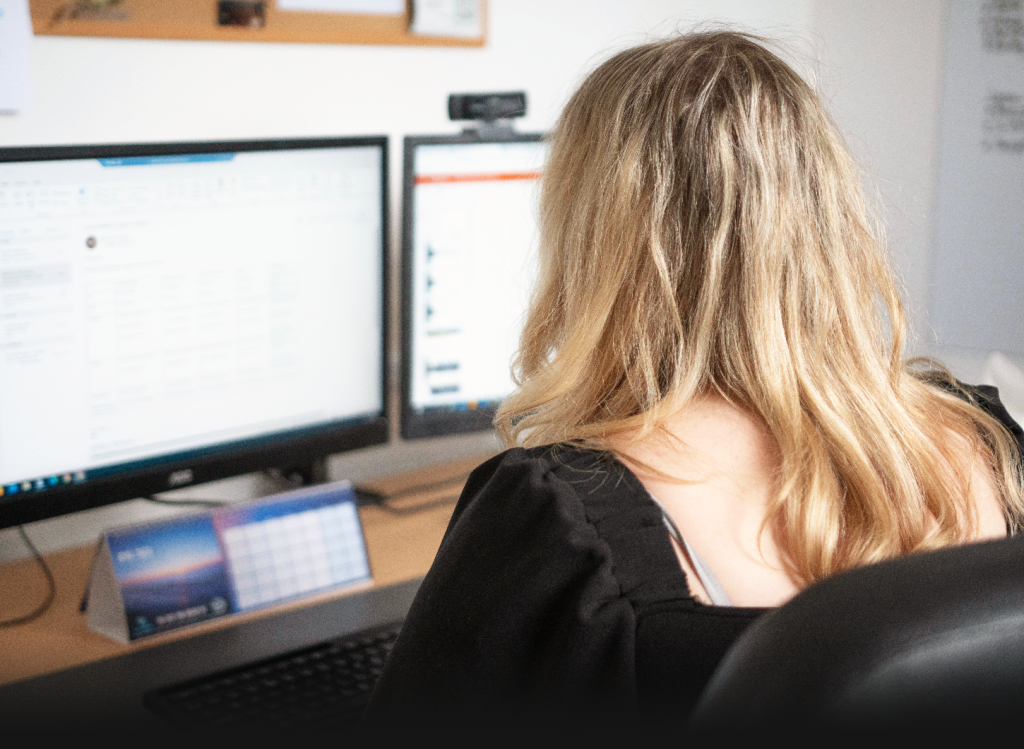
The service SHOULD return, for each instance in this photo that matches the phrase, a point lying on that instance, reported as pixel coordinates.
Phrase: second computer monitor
(469, 257)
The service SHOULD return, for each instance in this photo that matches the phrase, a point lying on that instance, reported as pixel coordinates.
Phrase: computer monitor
(469, 238)
(177, 313)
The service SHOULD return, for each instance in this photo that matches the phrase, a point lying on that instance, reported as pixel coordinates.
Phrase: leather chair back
(935, 636)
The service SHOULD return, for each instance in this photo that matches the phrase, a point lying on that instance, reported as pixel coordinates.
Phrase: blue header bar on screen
(178, 158)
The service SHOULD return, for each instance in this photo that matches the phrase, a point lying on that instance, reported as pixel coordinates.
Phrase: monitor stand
(306, 474)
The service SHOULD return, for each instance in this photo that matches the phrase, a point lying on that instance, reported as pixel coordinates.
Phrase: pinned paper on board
(15, 37)
(361, 7)
(450, 23)
(452, 18)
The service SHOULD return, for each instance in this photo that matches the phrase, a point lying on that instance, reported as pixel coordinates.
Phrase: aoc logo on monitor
(180, 478)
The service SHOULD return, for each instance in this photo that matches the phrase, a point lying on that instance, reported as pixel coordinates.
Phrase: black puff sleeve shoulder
(520, 609)
(987, 397)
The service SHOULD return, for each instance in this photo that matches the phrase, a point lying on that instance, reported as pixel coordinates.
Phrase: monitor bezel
(441, 422)
(298, 447)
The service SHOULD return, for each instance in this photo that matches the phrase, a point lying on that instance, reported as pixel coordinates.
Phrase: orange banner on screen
(430, 179)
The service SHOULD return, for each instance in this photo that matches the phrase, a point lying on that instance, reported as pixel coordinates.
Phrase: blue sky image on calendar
(165, 549)
(171, 574)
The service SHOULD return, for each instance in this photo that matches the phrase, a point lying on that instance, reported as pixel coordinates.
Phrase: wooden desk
(401, 547)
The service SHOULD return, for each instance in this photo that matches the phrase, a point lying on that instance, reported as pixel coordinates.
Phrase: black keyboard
(326, 683)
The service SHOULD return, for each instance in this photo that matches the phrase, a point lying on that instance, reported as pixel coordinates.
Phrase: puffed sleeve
(521, 607)
(987, 397)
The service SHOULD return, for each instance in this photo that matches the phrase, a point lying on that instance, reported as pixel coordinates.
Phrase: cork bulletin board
(232, 20)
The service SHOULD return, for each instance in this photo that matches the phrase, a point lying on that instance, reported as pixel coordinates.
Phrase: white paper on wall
(455, 18)
(978, 273)
(363, 7)
(15, 37)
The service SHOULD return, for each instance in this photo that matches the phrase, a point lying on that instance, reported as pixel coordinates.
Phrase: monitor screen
(175, 313)
(469, 249)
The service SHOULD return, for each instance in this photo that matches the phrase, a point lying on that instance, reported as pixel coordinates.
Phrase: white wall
(882, 75)
(878, 64)
(111, 91)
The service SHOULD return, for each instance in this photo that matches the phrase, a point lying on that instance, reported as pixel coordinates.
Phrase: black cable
(51, 584)
(83, 605)
(378, 497)
(383, 500)
(383, 504)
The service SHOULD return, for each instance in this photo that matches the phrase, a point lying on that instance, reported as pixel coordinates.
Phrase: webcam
(487, 107)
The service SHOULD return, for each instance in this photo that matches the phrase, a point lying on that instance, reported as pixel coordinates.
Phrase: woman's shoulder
(523, 598)
(573, 483)
(575, 504)
(581, 470)
(559, 458)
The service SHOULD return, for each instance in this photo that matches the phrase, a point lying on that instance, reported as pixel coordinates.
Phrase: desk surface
(401, 548)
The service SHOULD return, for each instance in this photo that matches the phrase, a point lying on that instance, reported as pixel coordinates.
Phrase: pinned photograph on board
(250, 15)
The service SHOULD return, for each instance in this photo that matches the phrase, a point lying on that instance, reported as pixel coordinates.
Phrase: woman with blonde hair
(713, 410)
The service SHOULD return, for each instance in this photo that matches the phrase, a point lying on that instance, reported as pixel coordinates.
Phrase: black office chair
(932, 639)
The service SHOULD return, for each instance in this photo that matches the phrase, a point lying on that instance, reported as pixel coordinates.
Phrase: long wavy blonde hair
(703, 229)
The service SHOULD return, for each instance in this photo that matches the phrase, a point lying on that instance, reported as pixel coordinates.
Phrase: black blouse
(556, 587)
